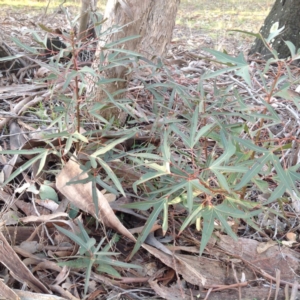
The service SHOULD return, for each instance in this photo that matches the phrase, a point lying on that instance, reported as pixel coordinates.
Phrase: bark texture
(152, 20)
(286, 13)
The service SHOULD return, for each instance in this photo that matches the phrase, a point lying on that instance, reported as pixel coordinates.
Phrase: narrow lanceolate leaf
(184, 138)
(165, 218)
(250, 145)
(231, 169)
(222, 180)
(24, 46)
(72, 236)
(190, 197)
(253, 171)
(25, 166)
(117, 263)
(112, 145)
(282, 174)
(189, 219)
(150, 222)
(7, 58)
(105, 268)
(220, 217)
(145, 205)
(88, 276)
(166, 147)
(194, 127)
(147, 177)
(229, 151)
(202, 132)
(111, 175)
(28, 152)
(208, 227)
(42, 161)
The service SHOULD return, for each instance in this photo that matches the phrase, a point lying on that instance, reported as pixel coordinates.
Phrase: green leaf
(25, 166)
(283, 175)
(220, 217)
(193, 128)
(27, 152)
(111, 175)
(229, 169)
(72, 236)
(157, 208)
(44, 156)
(122, 41)
(68, 145)
(249, 145)
(47, 192)
(191, 217)
(105, 268)
(253, 171)
(116, 263)
(80, 137)
(24, 46)
(190, 197)
(88, 276)
(208, 227)
(112, 145)
(229, 151)
(8, 58)
(145, 205)
(146, 177)
(202, 132)
(79, 263)
(222, 180)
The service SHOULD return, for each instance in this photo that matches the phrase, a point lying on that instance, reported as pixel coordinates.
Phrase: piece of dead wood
(7, 293)
(277, 257)
(248, 293)
(19, 271)
(24, 295)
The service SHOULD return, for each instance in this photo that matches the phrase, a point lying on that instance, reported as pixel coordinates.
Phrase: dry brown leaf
(81, 196)
(169, 293)
(291, 236)
(262, 247)
(44, 218)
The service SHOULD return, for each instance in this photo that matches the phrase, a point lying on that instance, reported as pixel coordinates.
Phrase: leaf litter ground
(251, 267)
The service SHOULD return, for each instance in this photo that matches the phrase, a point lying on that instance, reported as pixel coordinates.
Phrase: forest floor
(251, 267)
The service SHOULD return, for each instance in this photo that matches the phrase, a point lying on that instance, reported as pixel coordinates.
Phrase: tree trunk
(152, 20)
(286, 13)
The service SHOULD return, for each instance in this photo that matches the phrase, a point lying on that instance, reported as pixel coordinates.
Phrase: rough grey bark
(152, 20)
(286, 13)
